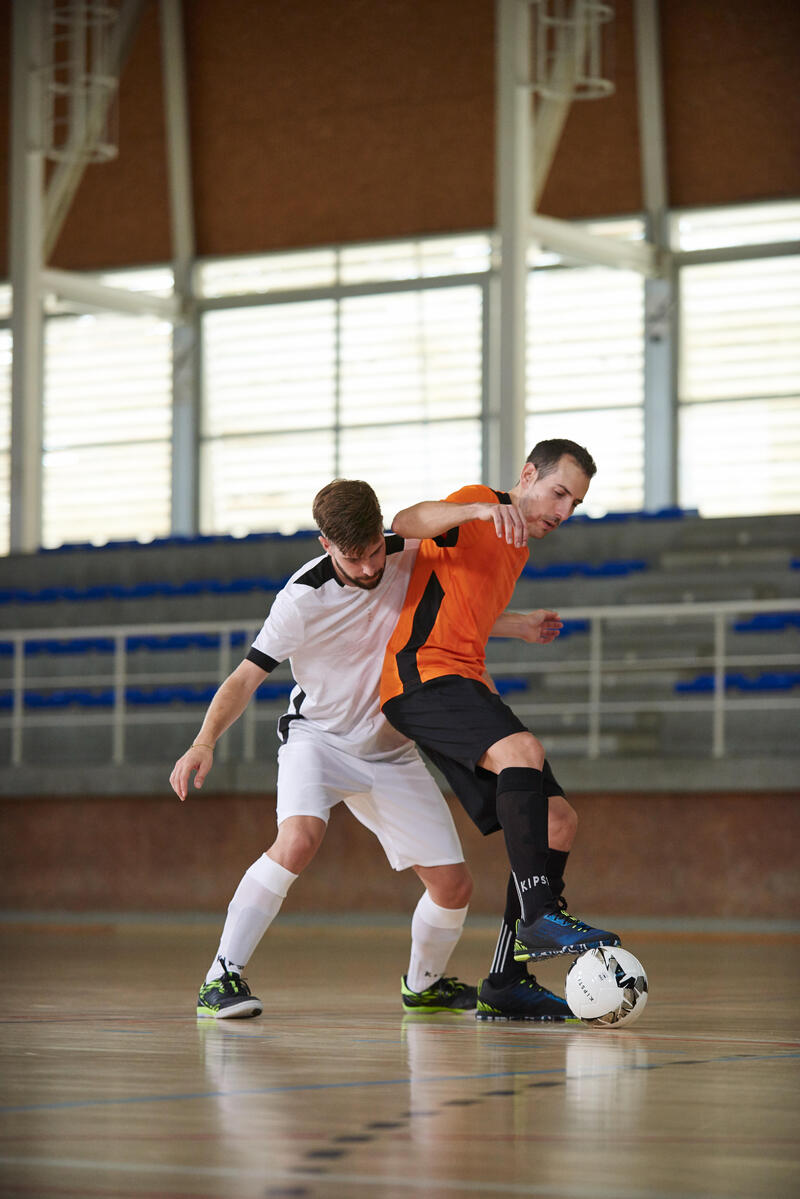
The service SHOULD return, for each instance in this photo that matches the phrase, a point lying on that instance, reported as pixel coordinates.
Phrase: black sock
(522, 813)
(556, 865)
(504, 969)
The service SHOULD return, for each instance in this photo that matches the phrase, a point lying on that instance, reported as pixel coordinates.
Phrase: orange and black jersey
(461, 582)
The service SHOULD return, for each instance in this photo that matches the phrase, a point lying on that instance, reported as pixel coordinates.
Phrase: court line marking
(428, 1185)
(383, 1082)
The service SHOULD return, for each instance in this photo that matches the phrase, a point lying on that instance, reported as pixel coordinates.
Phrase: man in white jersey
(332, 620)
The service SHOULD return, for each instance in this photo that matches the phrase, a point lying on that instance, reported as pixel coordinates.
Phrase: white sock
(434, 933)
(255, 904)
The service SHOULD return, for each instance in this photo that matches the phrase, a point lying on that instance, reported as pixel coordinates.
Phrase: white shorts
(395, 798)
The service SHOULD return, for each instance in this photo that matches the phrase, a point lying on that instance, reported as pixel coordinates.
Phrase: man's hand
(543, 626)
(540, 626)
(197, 760)
(507, 520)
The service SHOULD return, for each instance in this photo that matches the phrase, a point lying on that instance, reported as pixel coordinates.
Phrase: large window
(739, 386)
(107, 424)
(368, 360)
(5, 438)
(385, 385)
(586, 374)
(5, 419)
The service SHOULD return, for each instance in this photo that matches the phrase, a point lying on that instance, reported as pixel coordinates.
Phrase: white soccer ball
(606, 987)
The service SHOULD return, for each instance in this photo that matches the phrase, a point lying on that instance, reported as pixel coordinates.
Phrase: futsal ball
(606, 987)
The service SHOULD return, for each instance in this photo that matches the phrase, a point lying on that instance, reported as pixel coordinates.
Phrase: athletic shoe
(557, 932)
(523, 999)
(446, 995)
(227, 998)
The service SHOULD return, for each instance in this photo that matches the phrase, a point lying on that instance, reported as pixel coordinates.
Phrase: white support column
(660, 352)
(186, 335)
(513, 207)
(25, 239)
(660, 388)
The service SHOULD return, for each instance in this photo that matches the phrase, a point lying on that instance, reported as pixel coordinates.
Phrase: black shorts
(454, 721)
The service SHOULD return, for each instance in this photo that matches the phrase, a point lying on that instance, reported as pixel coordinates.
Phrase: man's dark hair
(347, 513)
(546, 456)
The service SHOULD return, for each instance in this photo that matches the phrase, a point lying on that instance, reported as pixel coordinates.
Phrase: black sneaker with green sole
(446, 995)
(522, 999)
(227, 998)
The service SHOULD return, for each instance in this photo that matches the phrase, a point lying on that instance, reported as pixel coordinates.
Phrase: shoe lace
(564, 916)
(232, 982)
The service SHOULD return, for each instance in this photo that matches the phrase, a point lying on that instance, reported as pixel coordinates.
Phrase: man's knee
(520, 749)
(448, 886)
(298, 839)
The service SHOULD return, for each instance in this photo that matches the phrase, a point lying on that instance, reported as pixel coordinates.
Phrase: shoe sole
(538, 955)
(238, 1011)
(430, 1011)
(531, 1019)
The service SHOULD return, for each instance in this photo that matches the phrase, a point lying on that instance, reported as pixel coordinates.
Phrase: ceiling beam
(570, 240)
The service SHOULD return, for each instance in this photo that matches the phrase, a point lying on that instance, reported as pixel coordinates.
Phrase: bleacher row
(266, 584)
(768, 622)
(660, 514)
(768, 680)
(163, 696)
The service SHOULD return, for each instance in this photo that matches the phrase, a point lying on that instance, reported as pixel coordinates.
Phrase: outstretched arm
(230, 701)
(541, 626)
(431, 518)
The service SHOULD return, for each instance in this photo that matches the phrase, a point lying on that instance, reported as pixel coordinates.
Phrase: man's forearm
(226, 707)
(430, 518)
(510, 624)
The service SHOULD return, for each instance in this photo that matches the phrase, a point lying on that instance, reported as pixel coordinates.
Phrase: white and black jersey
(334, 636)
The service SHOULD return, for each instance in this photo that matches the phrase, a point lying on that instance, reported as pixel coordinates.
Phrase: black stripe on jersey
(503, 496)
(424, 619)
(448, 539)
(394, 543)
(261, 659)
(287, 718)
(322, 573)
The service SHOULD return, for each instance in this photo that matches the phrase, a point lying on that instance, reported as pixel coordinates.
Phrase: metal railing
(21, 684)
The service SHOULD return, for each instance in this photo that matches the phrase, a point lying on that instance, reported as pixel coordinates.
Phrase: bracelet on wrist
(202, 745)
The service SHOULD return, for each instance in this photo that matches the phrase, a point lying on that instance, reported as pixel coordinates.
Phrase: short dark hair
(546, 456)
(347, 513)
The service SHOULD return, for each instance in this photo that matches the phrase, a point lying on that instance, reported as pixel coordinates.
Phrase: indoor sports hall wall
(715, 856)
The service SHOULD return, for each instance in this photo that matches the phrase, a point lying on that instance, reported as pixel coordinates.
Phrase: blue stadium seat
(566, 570)
(504, 686)
(134, 642)
(768, 622)
(767, 681)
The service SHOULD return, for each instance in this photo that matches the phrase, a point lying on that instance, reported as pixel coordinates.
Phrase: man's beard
(365, 584)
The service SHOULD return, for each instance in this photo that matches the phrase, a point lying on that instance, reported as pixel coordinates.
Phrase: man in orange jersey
(435, 690)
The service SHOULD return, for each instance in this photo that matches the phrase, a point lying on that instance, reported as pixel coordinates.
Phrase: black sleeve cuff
(262, 660)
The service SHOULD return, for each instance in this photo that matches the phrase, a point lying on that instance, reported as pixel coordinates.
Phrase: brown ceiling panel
(316, 122)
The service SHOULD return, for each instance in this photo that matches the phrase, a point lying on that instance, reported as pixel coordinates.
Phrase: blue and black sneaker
(557, 932)
(522, 999)
(227, 997)
(445, 995)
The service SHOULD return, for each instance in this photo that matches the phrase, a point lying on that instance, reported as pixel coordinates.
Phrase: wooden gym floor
(112, 1088)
